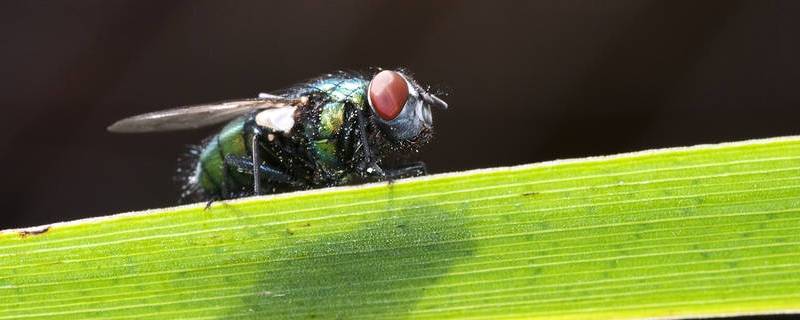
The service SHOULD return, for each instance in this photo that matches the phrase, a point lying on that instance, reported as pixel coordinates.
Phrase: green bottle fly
(337, 129)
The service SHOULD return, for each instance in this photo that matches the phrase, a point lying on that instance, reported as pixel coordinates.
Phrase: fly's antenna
(434, 101)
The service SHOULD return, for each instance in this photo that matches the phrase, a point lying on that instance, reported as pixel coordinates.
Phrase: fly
(337, 129)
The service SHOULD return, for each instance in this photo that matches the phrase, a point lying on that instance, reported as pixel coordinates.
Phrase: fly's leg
(370, 165)
(269, 173)
(411, 170)
(209, 203)
(210, 200)
(256, 163)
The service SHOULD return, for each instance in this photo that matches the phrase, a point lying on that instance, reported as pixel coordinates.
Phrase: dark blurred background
(528, 81)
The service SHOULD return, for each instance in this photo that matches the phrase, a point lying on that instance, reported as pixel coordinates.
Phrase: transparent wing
(192, 117)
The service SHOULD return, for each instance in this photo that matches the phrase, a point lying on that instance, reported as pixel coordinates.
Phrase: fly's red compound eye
(388, 92)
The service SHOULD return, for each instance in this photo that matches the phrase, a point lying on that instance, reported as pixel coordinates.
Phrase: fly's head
(401, 107)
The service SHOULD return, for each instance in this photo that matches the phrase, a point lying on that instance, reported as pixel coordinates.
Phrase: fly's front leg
(370, 164)
(411, 170)
(415, 169)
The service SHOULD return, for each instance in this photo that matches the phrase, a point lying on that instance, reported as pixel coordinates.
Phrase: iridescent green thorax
(339, 94)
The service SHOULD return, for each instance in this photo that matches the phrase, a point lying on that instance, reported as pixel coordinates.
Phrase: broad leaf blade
(701, 231)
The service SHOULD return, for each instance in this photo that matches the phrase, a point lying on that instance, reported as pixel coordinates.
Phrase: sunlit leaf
(702, 231)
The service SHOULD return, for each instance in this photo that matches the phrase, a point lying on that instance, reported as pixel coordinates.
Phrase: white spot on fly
(270, 137)
(277, 119)
(370, 170)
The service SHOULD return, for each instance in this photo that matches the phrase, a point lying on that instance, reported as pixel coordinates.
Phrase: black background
(528, 81)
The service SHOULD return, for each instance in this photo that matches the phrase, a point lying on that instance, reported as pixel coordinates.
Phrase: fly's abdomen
(212, 176)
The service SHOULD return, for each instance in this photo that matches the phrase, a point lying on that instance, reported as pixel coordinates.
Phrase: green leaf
(703, 231)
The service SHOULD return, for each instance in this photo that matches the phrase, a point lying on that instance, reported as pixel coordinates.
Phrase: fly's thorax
(331, 119)
(341, 87)
(323, 127)
(331, 97)
(324, 123)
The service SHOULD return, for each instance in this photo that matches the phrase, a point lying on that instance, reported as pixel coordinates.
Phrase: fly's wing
(198, 116)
